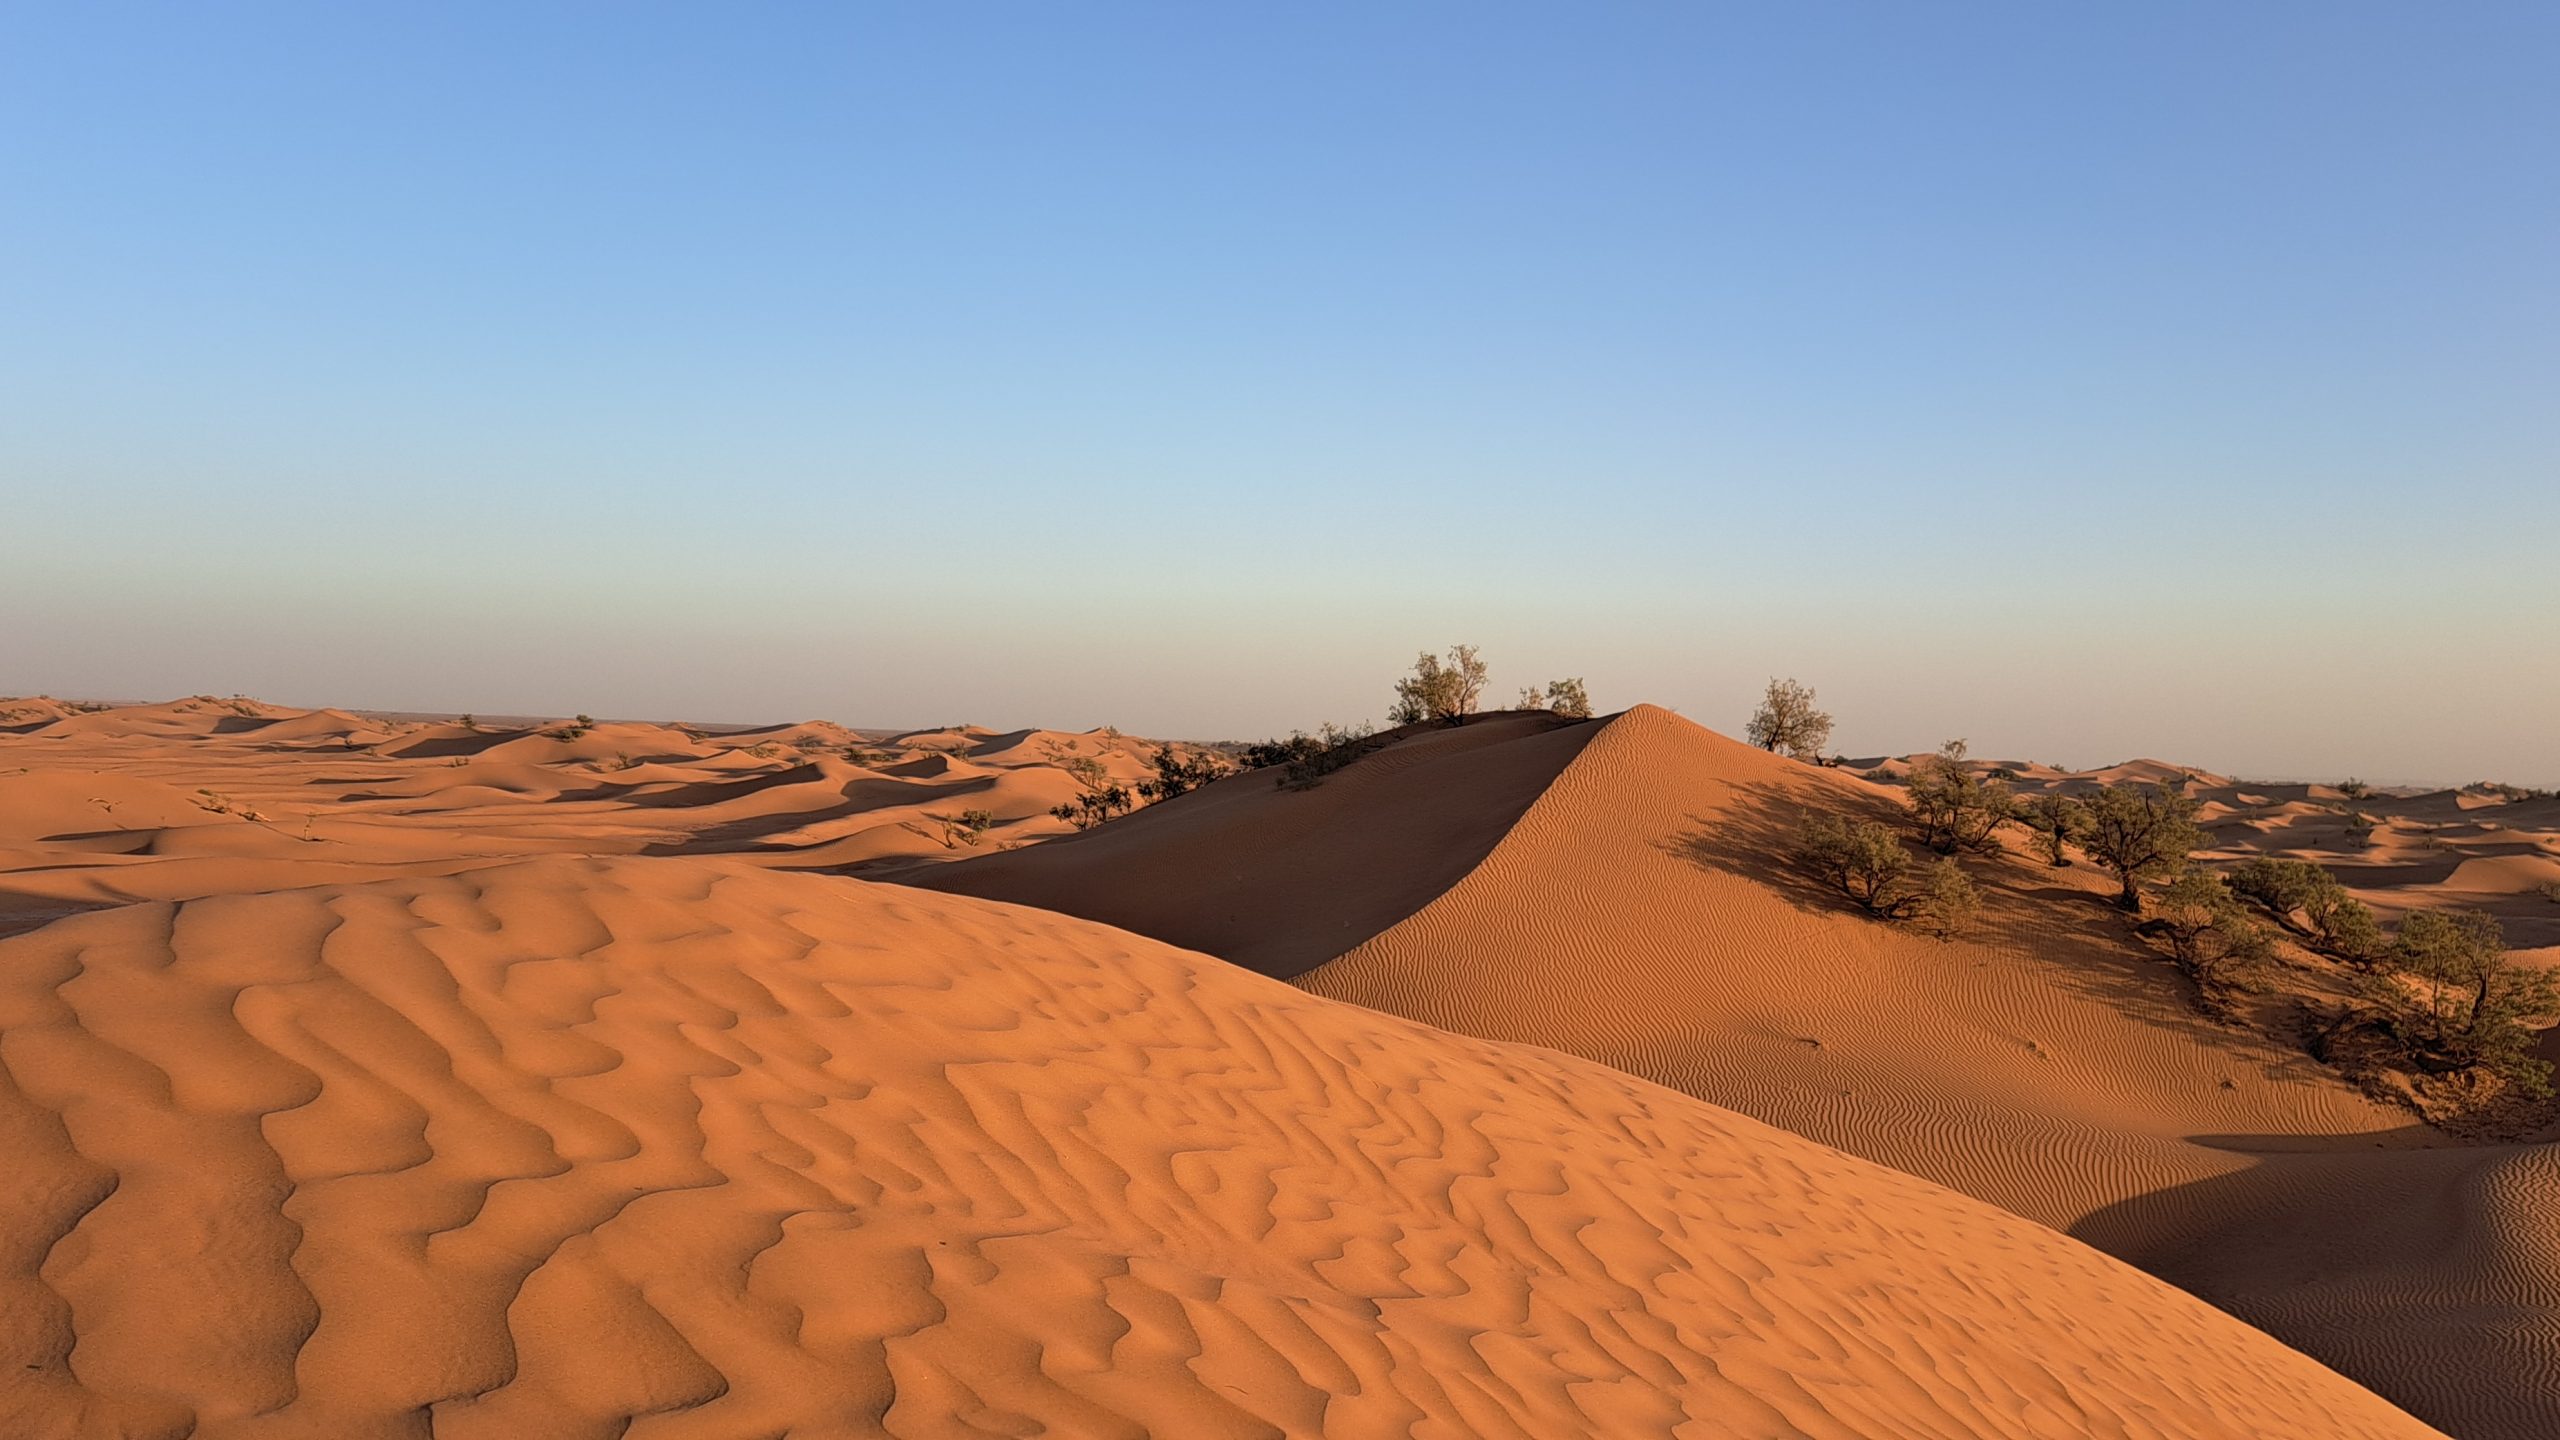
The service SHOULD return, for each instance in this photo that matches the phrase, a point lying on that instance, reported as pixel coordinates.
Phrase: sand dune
(683, 1148)
(547, 1137)
(1638, 913)
(1283, 880)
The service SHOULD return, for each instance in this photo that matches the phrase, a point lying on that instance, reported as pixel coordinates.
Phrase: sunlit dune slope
(680, 1148)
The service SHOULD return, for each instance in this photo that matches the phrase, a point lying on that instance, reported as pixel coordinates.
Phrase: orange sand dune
(683, 1148)
(1284, 880)
(1640, 913)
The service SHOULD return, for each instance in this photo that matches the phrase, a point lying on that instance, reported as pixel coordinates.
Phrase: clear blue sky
(2090, 381)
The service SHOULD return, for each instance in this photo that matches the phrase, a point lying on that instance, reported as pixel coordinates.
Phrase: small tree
(2211, 937)
(1860, 859)
(1569, 699)
(2138, 831)
(1440, 691)
(469, 722)
(2058, 820)
(2359, 829)
(1945, 901)
(1531, 698)
(1951, 807)
(2468, 1006)
(1787, 721)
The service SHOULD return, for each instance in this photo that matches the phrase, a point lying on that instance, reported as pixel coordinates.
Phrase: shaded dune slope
(681, 1148)
(1280, 880)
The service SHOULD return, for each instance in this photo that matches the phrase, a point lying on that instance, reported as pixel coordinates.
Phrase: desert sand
(1639, 913)
(376, 1077)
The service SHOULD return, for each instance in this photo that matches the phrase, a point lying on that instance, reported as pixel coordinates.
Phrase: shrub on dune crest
(1788, 722)
(1562, 697)
(1438, 690)
(1178, 774)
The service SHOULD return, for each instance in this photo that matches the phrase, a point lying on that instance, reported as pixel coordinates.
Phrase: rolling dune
(682, 1148)
(1639, 913)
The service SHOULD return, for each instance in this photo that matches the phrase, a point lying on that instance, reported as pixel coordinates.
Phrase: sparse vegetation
(1304, 760)
(469, 722)
(2139, 831)
(1563, 697)
(1788, 722)
(2310, 902)
(2460, 1002)
(2058, 821)
(1945, 902)
(964, 828)
(2360, 827)
(1099, 797)
(2549, 890)
(2354, 789)
(2210, 936)
(1440, 690)
(1177, 773)
(1862, 860)
(1952, 808)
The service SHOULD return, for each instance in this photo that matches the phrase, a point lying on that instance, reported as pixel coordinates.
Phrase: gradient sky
(2088, 381)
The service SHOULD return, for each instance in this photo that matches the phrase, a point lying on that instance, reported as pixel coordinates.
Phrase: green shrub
(1951, 807)
(1862, 860)
(2137, 831)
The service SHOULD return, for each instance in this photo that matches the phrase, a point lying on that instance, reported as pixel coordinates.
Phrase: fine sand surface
(1640, 913)
(680, 1147)
(367, 1075)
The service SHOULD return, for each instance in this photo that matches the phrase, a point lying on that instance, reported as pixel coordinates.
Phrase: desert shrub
(1945, 902)
(2310, 902)
(1304, 760)
(1095, 806)
(1862, 860)
(1568, 698)
(2058, 821)
(2209, 933)
(1531, 698)
(469, 722)
(1177, 773)
(1788, 721)
(966, 827)
(2354, 789)
(2460, 1001)
(1438, 690)
(1952, 808)
(2549, 890)
(2360, 828)
(2138, 831)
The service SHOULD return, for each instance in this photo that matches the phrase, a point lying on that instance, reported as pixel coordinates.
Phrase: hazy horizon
(2175, 383)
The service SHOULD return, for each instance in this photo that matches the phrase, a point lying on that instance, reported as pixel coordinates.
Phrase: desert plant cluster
(2439, 997)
